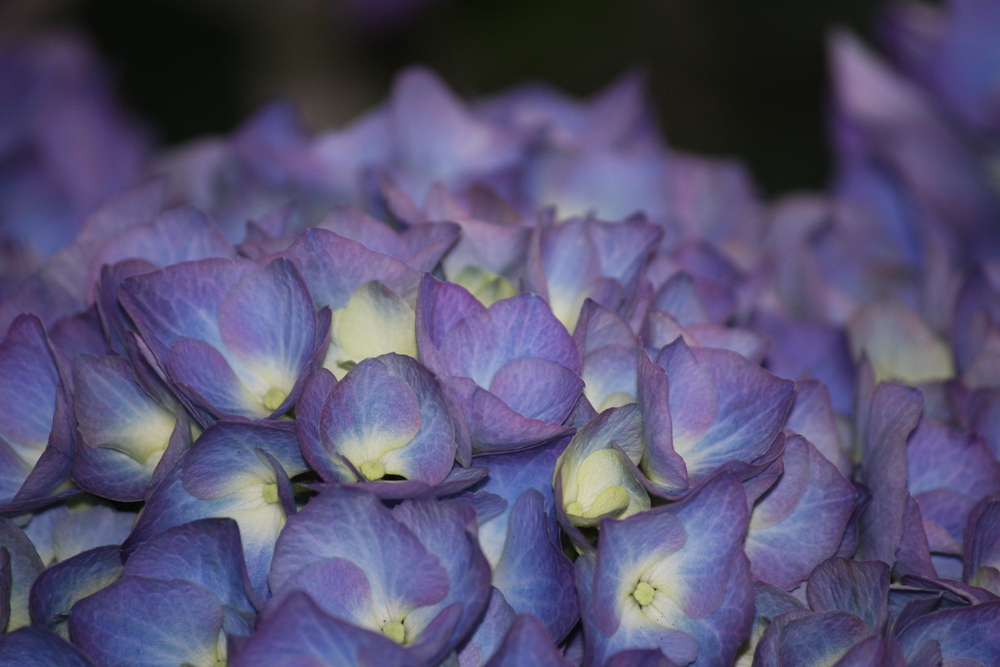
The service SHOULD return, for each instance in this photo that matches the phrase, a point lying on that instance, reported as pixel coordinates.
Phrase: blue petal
(860, 587)
(533, 574)
(527, 643)
(62, 585)
(206, 552)
(892, 415)
(35, 647)
(180, 623)
(25, 566)
(299, 633)
(801, 521)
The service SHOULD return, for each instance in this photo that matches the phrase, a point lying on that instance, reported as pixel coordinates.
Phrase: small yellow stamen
(643, 593)
(274, 398)
(395, 631)
(372, 470)
(271, 493)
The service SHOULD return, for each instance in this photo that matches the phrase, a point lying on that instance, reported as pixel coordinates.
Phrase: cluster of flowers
(504, 383)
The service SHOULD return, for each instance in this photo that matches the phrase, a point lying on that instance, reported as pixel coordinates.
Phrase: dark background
(728, 77)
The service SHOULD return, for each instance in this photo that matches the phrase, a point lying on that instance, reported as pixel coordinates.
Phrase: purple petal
(823, 637)
(448, 531)
(414, 440)
(25, 566)
(893, 415)
(527, 643)
(208, 380)
(533, 574)
(206, 552)
(28, 390)
(179, 623)
(937, 458)
(182, 300)
(299, 633)
(537, 389)
(62, 585)
(268, 322)
(660, 462)
(859, 587)
(354, 526)
(490, 631)
(223, 465)
(35, 647)
(873, 651)
(124, 430)
(333, 267)
(679, 299)
(813, 418)
(495, 427)
(801, 521)
(178, 235)
(694, 406)
(964, 632)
